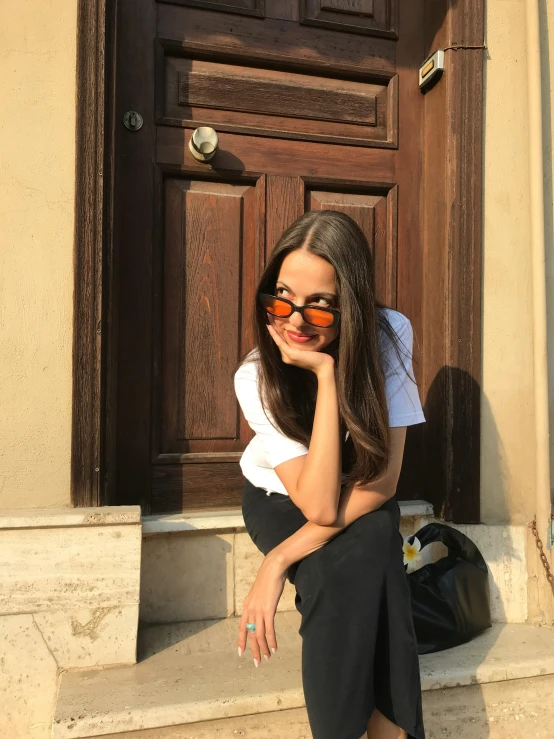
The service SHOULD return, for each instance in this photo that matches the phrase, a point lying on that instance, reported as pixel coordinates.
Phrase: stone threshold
(191, 673)
(50, 518)
(232, 520)
(228, 520)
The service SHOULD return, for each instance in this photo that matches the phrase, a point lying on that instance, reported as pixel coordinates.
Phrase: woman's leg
(269, 519)
(354, 658)
(340, 590)
(343, 594)
(380, 727)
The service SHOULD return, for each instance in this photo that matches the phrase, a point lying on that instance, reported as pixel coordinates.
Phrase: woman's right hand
(317, 362)
(259, 608)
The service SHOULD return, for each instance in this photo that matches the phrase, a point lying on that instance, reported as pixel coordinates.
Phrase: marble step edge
(208, 686)
(54, 518)
(518, 709)
(215, 520)
(232, 519)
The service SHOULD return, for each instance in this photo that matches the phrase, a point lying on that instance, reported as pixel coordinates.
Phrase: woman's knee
(377, 529)
(361, 550)
(358, 550)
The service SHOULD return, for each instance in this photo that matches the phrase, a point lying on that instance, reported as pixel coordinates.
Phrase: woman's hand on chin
(316, 362)
(259, 608)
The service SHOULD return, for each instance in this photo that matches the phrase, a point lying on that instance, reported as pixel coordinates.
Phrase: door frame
(451, 209)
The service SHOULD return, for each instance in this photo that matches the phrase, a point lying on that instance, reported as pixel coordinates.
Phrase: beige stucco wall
(37, 165)
(508, 435)
(547, 46)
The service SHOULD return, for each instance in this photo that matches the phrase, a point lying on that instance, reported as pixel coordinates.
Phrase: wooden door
(317, 106)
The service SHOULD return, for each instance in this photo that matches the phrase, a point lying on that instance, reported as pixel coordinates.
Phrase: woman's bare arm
(313, 480)
(261, 602)
(353, 503)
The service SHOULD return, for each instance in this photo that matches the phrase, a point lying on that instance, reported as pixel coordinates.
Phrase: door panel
(195, 486)
(209, 271)
(376, 215)
(371, 17)
(276, 103)
(213, 249)
(307, 118)
(257, 155)
(193, 32)
(245, 7)
(285, 203)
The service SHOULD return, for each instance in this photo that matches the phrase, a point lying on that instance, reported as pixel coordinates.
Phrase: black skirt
(359, 649)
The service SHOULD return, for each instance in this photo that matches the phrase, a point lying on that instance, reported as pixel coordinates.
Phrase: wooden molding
(452, 275)
(86, 464)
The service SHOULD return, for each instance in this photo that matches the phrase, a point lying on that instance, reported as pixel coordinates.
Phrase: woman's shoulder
(248, 369)
(395, 340)
(397, 320)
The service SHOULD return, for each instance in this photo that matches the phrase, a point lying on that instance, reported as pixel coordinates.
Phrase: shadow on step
(187, 637)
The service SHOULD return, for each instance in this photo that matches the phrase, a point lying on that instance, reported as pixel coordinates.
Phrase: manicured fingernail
(273, 650)
(266, 658)
(256, 663)
(240, 652)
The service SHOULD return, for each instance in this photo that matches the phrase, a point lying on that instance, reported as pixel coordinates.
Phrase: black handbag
(450, 597)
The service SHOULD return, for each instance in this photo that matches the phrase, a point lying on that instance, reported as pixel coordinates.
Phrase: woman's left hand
(314, 361)
(259, 608)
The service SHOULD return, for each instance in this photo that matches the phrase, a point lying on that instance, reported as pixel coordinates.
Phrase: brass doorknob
(203, 143)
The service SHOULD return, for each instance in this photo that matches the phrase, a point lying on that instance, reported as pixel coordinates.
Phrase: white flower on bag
(412, 552)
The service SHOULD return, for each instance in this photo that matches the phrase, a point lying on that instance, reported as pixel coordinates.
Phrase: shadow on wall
(435, 15)
(547, 94)
(452, 445)
(502, 545)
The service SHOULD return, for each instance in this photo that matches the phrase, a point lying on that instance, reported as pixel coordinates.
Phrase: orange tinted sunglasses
(283, 308)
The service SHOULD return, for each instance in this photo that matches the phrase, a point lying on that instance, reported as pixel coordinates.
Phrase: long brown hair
(288, 393)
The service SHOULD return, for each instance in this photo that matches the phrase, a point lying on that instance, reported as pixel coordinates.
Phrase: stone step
(190, 684)
(202, 565)
(514, 709)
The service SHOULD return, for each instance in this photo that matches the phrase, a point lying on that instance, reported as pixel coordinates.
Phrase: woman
(328, 393)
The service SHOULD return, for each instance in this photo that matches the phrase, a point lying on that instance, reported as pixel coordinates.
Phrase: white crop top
(270, 447)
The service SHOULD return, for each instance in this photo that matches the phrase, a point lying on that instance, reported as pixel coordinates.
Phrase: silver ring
(251, 628)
